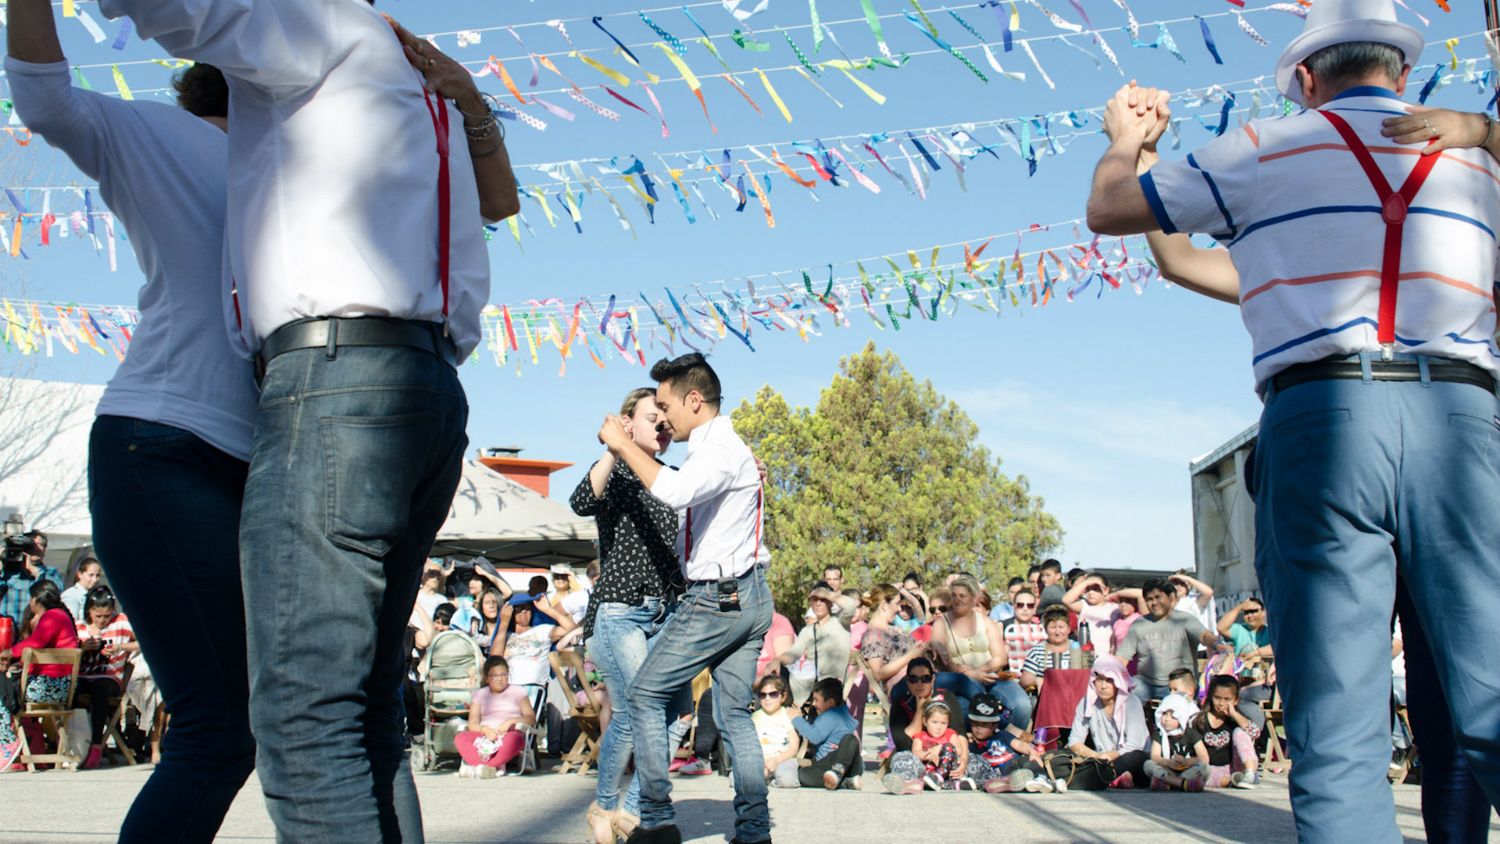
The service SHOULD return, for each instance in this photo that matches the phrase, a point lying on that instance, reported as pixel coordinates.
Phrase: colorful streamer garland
(903, 286)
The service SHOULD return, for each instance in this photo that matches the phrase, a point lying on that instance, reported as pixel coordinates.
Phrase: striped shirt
(114, 634)
(1303, 225)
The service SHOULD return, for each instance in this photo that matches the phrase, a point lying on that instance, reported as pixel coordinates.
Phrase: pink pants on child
(1244, 758)
(511, 744)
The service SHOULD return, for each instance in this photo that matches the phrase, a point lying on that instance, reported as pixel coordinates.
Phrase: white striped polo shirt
(1303, 225)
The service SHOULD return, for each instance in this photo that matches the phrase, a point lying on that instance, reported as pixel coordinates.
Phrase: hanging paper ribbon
(691, 80)
(621, 44)
(1249, 30)
(775, 97)
(930, 31)
(1208, 40)
(873, 20)
(988, 54)
(677, 46)
(120, 85)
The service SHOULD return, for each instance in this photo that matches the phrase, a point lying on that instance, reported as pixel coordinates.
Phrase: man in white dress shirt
(354, 242)
(726, 611)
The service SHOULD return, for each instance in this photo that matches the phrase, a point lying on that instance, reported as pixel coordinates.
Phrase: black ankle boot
(659, 835)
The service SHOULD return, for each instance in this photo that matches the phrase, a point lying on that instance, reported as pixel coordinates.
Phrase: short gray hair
(1340, 63)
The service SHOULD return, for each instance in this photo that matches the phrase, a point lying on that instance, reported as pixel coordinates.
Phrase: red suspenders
(1394, 205)
(439, 113)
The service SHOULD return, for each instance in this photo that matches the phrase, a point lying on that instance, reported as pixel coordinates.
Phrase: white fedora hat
(1331, 22)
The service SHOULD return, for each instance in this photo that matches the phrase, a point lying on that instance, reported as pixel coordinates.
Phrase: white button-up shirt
(333, 165)
(718, 496)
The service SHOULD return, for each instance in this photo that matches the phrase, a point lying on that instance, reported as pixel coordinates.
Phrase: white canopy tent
(506, 523)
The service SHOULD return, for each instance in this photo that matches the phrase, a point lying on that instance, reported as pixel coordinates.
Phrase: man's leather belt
(1448, 372)
(333, 333)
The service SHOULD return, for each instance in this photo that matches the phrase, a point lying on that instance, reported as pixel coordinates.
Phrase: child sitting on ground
(1000, 758)
(1230, 736)
(941, 751)
(496, 711)
(780, 745)
(1179, 758)
(828, 726)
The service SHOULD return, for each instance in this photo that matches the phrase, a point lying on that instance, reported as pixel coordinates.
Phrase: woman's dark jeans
(166, 514)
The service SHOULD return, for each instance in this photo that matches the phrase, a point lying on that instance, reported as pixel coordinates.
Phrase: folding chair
(527, 757)
(54, 715)
(1275, 758)
(1062, 689)
(584, 706)
(1398, 775)
(117, 706)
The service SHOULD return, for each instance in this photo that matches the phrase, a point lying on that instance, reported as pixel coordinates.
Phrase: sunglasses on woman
(918, 678)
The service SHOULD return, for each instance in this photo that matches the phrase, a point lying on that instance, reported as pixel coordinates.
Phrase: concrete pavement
(548, 808)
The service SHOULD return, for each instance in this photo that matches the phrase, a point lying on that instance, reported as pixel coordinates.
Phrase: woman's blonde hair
(633, 398)
(879, 594)
(966, 581)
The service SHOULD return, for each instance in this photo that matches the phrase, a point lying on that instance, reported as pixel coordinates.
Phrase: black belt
(332, 333)
(1448, 372)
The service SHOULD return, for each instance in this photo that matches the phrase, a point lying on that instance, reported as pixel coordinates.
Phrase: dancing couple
(682, 588)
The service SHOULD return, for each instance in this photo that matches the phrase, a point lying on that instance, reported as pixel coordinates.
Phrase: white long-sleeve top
(333, 165)
(161, 171)
(717, 494)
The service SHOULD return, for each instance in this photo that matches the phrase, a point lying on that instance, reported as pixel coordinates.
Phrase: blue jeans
(1147, 692)
(1009, 692)
(1356, 484)
(166, 515)
(698, 636)
(1455, 809)
(623, 635)
(355, 462)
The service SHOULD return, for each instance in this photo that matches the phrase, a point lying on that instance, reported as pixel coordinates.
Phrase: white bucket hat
(1331, 22)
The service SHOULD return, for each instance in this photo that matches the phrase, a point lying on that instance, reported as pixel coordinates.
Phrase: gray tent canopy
(496, 518)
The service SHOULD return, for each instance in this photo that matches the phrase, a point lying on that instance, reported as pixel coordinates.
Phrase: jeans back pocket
(372, 466)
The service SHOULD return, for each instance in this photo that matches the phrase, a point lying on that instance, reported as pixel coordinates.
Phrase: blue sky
(1101, 402)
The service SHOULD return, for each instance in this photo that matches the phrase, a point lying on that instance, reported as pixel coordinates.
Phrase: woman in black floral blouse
(639, 580)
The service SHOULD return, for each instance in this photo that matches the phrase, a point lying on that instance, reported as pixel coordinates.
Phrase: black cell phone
(729, 594)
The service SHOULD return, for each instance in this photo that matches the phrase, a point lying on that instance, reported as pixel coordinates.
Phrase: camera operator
(24, 566)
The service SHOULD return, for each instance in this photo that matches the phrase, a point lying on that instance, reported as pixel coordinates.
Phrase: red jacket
(55, 629)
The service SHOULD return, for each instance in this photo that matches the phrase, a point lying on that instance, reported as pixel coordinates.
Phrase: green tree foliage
(885, 477)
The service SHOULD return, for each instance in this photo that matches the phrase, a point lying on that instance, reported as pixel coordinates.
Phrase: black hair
(46, 593)
(832, 688)
(833, 567)
(100, 596)
(1036, 569)
(1054, 612)
(444, 614)
(537, 585)
(1157, 584)
(1219, 681)
(1052, 566)
(202, 91)
(1179, 673)
(920, 662)
(686, 374)
(496, 661)
(38, 538)
(1015, 581)
(912, 575)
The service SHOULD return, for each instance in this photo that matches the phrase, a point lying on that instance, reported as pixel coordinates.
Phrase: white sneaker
(487, 772)
(1060, 786)
(1039, 785)
(1245, 779)
(465, 771)
(696, 768)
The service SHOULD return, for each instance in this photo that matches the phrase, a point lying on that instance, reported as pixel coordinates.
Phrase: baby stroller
(451, 668)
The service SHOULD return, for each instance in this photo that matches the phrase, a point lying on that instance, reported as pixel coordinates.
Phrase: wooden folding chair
(573, 677)
(53, 715)
(1398, 775)
(1275, 758)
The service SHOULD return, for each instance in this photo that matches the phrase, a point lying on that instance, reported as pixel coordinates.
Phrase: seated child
(498, 708)
(780, 745)
(1179, 758)
(1000, 758)
(939, 748)
(1230, 736)
(827, 726)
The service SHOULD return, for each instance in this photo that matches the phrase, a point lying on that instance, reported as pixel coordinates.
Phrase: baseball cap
(984, 709)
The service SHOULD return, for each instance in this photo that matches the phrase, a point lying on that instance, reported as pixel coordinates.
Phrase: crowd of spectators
(37, 613)
(1172, 698)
